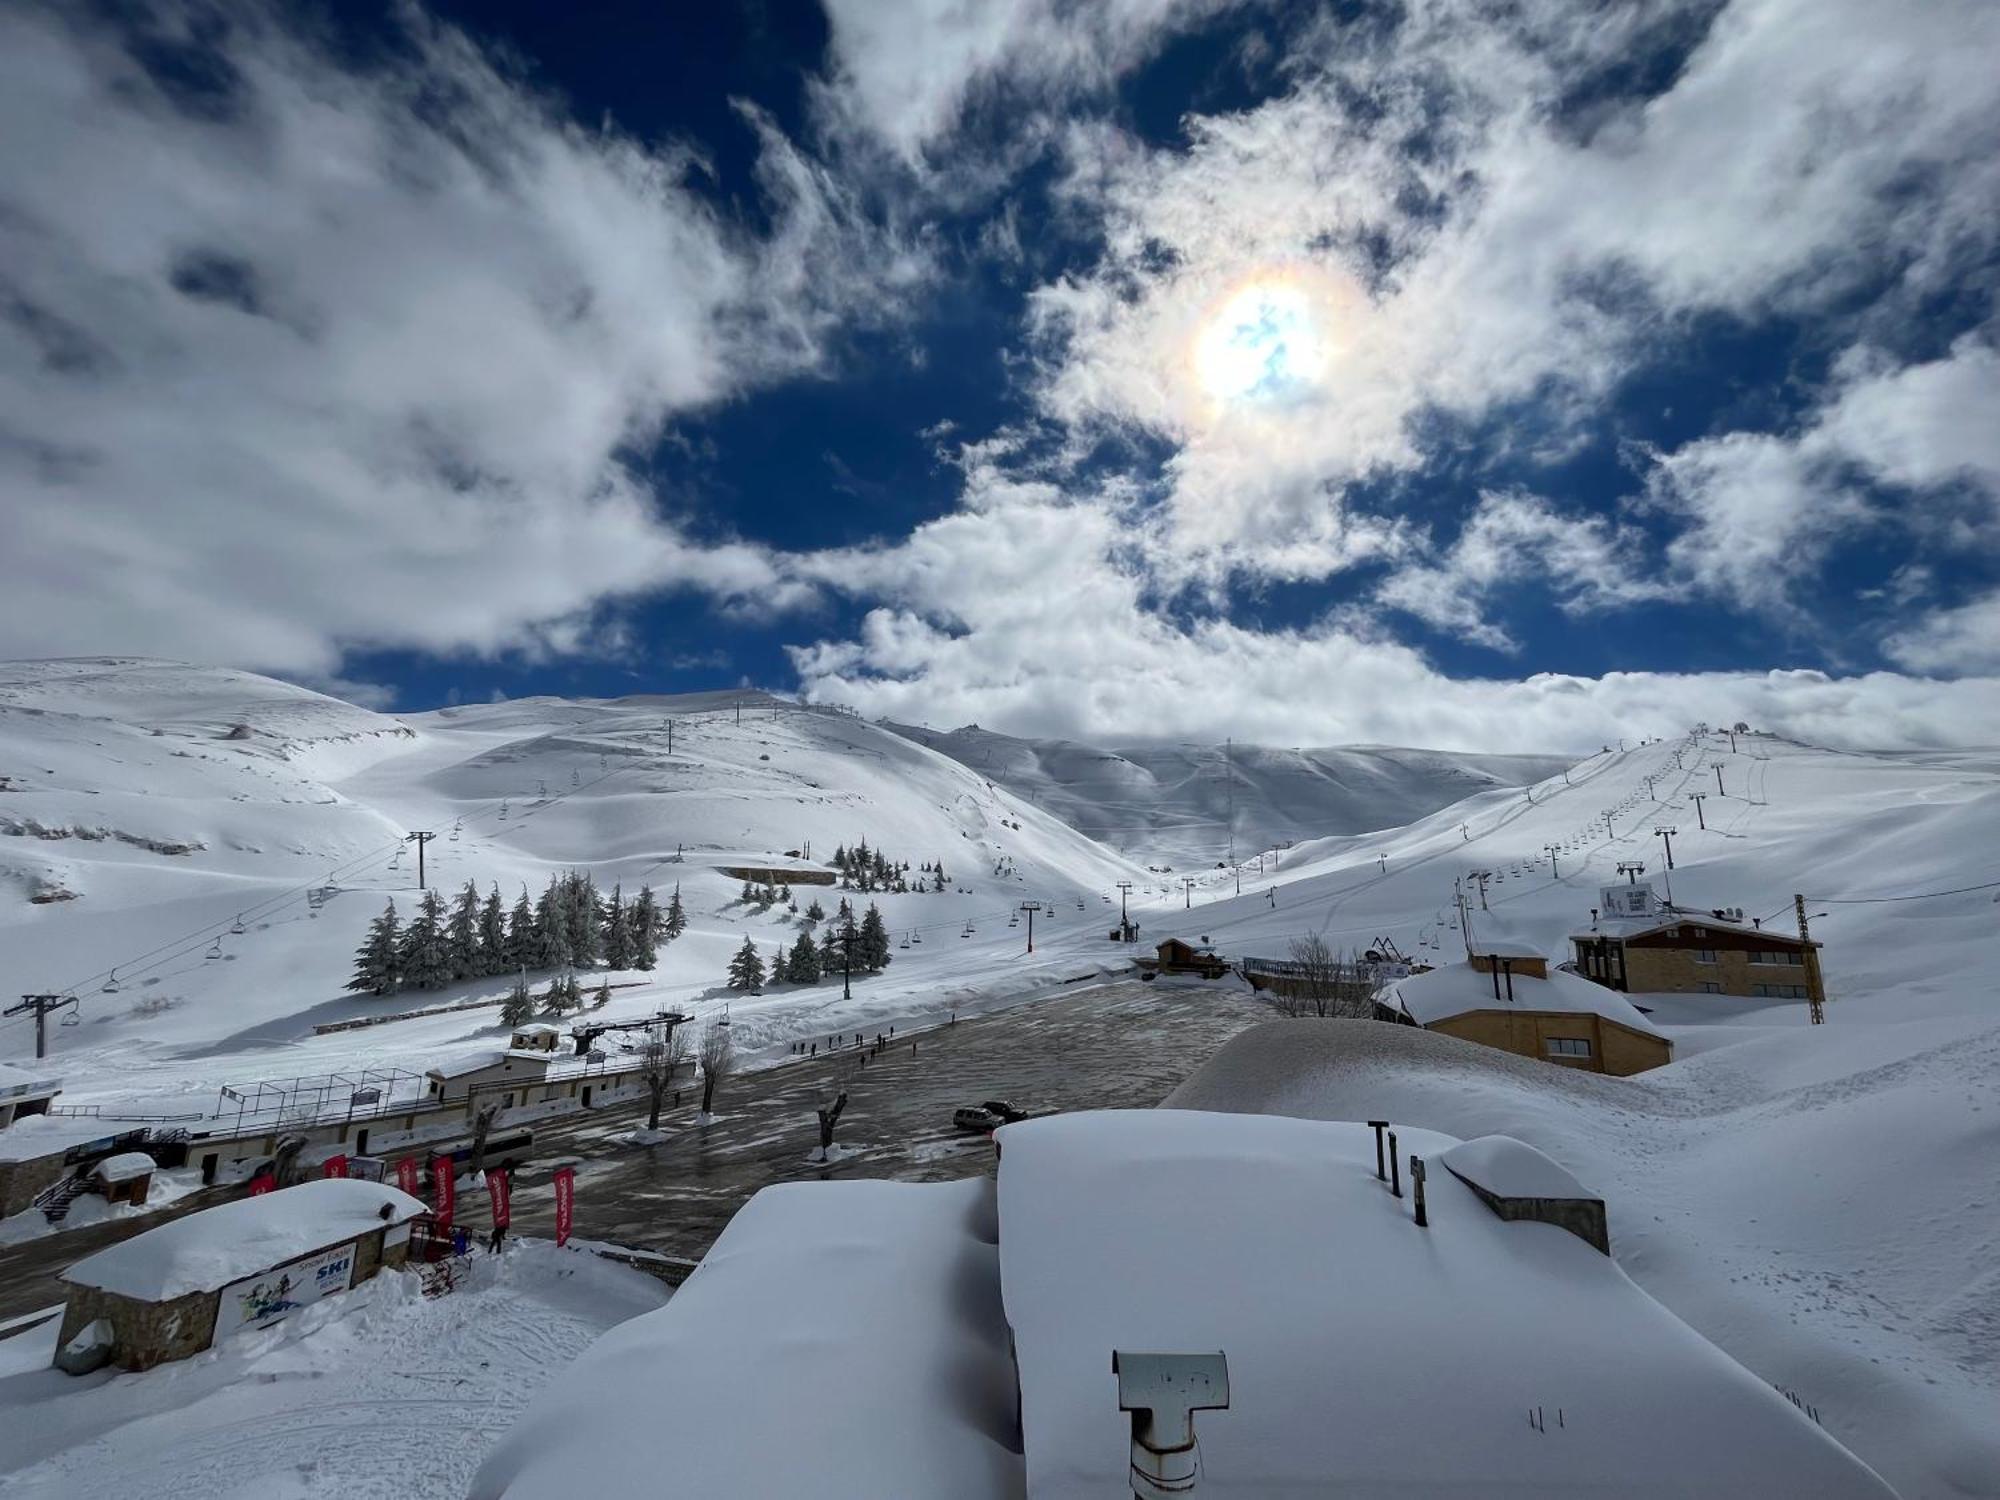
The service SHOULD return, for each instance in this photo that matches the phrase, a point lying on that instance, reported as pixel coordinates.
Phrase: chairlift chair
(215, 949)
(110, 985)
(237, 926)
(72, 1019)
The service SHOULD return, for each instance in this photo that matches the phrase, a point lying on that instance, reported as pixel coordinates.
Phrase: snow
(210, 1249)
(1366, 1355)
(1817, 1200)
(375, 1395)
(1508, 1168)
(1458, 988)
(125, 1166)
(17, 1081)
(840, 1340)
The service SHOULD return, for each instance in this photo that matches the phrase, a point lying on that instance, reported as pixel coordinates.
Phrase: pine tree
(829, 949)
(519, 1006)
(815, 912)
(617, 932)
(425, 960)
(462, 933)
(493, 935)
(581, 912)
(572, 993)
(524, 945)
(675, 922)
(376, 962)
(749, 893)
(551, 930)
(803, 966)
(937, 877)
(603, 996)
(872, 950)
(746, 969)
(554, 997)
(644, 921)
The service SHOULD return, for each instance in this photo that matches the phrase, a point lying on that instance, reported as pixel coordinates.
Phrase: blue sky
(1509, 377)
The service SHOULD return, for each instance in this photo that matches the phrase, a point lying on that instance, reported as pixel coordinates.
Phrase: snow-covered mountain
(1188, 805)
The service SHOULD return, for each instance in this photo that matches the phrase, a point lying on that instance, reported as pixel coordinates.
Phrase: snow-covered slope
(1178, 804)
(150, 810)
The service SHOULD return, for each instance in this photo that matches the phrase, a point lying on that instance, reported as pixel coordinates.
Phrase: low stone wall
(145, 1333)
(778, 875)
(1582, 1217)
(21, 1180)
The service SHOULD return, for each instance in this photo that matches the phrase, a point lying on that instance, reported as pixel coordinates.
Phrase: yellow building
(1504, 996)
(1681, 952)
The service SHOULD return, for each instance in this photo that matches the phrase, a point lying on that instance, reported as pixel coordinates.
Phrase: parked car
(1007, 1112)
(971, 1117)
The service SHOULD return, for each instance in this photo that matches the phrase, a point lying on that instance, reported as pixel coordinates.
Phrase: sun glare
(1265, 341)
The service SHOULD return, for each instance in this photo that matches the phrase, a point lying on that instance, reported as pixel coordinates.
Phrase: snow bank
(1367, 1356)
(210, 1249)
(1508, 1168)
(839, 1339)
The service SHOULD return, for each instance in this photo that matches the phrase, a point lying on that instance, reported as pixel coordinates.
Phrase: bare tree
(1323, 982)
(663, 1054)
(829, 1116)
(718, 1061)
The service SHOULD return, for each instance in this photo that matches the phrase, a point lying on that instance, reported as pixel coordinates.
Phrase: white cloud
(1514, 539)
(1951, 642)
(331, 359)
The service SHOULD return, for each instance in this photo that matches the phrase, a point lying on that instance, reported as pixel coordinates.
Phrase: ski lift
(72, 1019)
(916, 937)
(110, 985)
(237, 927)
(723, 1021)
(215, 949)
(904, 944)
(503, 808)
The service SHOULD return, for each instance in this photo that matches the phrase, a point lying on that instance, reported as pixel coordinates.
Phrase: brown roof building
(1671, 950)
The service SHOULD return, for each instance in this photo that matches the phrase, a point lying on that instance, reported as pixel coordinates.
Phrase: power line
(1919, 896)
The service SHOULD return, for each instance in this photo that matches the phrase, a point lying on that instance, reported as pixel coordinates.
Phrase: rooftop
(1459, 989)
(125, 1166)
(206, 1251)
(20, 1083)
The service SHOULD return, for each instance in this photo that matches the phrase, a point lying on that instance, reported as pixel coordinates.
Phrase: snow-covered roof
(1508, 1168)
(1459, 989)
(125, 1166)
(20, 1083)
(1503, 947)
(1627, 928)
(466, 1065)
(538, 1028)
(210, 1249)
(1366, 1356)
(840, 1339)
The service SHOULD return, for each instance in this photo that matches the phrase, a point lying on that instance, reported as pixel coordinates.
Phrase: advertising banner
(496, 1190)
(565, 1202)
(260, 1301)
(336, 1166)
(445, 1170)
(406, 1175)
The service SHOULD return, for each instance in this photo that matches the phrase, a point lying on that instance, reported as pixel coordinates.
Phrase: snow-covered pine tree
(829, 949)
(493, 935)
(803, 965)
(554, 997)
(425, 961)
(462, 933)
(749, 893)
(643, 922)
(871, 951)
(617, 932)
(937, 877)
(815, 912)
(524, 944)
(746, 969)
(582, 914)
(603, 996)
(552, 949)
(674, 923)
(572, 993)
(375, 962)
(519, 1006)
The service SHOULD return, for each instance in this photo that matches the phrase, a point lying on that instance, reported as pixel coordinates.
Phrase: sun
(1266, 341)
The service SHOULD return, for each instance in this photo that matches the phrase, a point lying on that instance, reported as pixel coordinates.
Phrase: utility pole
(1718, 780)
(1698, 798)
(1815, 992)
(670, 736)
(421, 840)
(1124, 923)
(1482, 876)
(1384, 862)
(847, 937)
(1554, 872)
(1031, 907)
(1229, 789)
(1668, 835)
(1187, 890)
(42, 1005)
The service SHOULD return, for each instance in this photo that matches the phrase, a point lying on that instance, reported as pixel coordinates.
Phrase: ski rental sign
(259, 1301)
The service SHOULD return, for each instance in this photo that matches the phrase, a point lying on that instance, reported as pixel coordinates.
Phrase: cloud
(1514, 539)
(1025, 614)
(299, 356)
(1951, 642)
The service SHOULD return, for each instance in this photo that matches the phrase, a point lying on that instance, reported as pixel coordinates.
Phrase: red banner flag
(406, 1175)
(336, 1166)
(262, 1183)
(445, 1171)
(496, 1190)
(565, 1203)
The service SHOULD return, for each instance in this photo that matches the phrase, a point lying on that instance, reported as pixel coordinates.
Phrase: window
(1569, 1046)
(1704, 955)
(1710, 987)
(1779, 991)
(1774, 958)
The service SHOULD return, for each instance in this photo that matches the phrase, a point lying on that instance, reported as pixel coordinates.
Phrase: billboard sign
(259, 1301)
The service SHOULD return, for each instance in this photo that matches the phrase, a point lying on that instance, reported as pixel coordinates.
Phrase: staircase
(55, 1199)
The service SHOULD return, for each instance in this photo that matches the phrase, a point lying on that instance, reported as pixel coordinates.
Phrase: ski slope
(1184, 805)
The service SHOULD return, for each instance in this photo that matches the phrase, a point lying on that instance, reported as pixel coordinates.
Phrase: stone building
(176, 1290)
(1673, 950)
